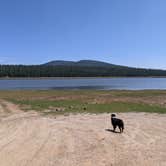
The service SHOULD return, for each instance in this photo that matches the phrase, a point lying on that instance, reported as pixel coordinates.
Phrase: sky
(123, 32)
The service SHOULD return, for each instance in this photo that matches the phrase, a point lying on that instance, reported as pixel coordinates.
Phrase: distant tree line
(74, 71)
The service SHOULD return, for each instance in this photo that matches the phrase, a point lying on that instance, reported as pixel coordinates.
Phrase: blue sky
(125, 32)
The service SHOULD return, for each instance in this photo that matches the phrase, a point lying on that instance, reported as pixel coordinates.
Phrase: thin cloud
(5, 60)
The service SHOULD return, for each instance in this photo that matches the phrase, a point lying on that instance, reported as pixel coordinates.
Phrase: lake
(84, 83)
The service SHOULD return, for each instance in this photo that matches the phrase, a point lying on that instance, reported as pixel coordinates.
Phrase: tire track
(38, 151)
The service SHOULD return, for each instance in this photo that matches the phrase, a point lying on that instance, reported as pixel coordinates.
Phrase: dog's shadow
(110, 130)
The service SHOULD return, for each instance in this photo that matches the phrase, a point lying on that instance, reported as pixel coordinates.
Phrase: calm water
(85, 83)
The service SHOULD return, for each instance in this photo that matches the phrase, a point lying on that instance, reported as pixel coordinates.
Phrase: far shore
(29, 78)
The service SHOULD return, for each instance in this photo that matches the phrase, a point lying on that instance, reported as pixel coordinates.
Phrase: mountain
(83, 68)
(82, 63)
(60, 63)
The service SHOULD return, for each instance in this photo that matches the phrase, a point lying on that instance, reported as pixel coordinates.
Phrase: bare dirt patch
(28, 139)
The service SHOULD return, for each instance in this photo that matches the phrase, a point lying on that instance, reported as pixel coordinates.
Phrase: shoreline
(43, 78)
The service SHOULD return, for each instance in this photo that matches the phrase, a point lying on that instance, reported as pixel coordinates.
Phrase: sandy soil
(28, 139)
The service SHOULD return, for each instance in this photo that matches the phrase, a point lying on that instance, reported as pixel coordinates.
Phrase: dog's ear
(113, 115)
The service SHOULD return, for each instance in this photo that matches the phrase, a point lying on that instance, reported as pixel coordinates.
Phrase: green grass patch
(74, 106)
(125, 107)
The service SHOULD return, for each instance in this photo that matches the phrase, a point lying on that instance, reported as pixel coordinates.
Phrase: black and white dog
(117, 122)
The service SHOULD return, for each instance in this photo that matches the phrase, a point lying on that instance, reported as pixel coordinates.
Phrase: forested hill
(90, 63)
(83, 68)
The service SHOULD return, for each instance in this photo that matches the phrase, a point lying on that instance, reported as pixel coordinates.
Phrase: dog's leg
(114, 128)
(120, 129)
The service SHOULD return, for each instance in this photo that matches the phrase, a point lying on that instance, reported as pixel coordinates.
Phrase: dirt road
(28, 139)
